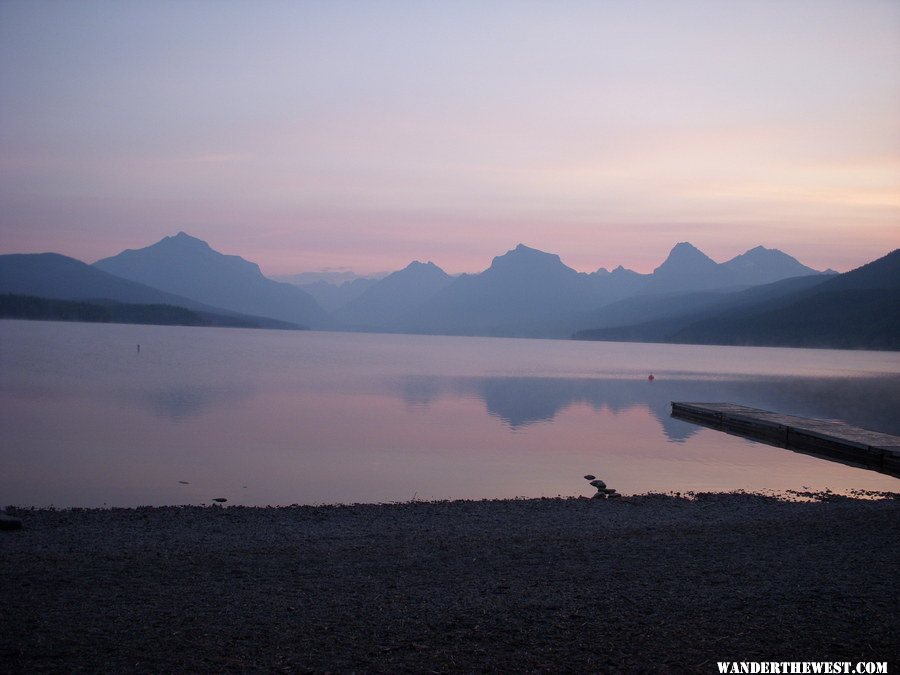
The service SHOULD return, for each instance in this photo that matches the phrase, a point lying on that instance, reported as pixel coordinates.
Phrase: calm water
(269, 417)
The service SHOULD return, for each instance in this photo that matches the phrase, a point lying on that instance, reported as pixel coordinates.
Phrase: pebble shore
(655, 583)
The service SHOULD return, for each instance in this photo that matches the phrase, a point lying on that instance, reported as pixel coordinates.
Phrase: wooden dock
(823, 438)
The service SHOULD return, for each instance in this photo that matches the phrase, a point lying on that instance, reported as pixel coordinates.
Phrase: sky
(363, 135)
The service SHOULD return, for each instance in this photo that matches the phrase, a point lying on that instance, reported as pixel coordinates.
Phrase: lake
(274, 417)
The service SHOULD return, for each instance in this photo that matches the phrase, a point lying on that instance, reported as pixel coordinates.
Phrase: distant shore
(651, 583)
(33, 308)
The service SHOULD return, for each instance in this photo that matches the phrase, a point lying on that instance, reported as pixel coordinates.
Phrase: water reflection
(316, 417)
(519, 401)
(183, 402)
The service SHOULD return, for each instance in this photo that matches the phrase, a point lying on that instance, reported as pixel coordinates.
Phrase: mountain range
(187, 266)
(858, 309)
(861, 307)
(331, 296)
(523, 293)
(384, 303)
(58, 277)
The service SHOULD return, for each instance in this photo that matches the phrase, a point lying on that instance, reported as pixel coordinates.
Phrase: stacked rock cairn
(603, 492)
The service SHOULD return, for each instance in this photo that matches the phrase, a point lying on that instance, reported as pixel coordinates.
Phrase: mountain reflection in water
(519, 401)
(273, 417)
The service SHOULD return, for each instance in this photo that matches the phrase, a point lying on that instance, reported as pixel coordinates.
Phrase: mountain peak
(686, 248)
(685, 257)
(184, 239)
(525, 255)
(522, 249)
(419, 265)
(764, 265)
(421, 270)
(189, 267)
(761, 252)
(386, 300)
(758, 252)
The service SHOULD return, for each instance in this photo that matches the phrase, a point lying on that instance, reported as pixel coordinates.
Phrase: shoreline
(649, 583)
(787, 495)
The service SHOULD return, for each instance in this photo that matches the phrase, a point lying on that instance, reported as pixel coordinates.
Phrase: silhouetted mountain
(859, 309)
(778, 291)
(652, 317)
(529, 293)
(334, 296)
(687, 268)
(187, 266)
(856, 310)
(50, 275)
(47, 309)
(641, 309)
(382, 305)
(851, 319)
(763, 266)
(333, 276)
(620, 283)
(524, 292)
(883, 273)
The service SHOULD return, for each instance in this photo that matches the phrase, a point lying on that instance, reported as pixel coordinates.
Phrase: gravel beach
(640, 584)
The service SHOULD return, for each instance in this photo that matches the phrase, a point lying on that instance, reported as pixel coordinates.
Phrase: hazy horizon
(338, 274)
(305, 135)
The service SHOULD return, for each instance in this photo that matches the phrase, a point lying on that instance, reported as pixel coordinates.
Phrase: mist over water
(270, 417)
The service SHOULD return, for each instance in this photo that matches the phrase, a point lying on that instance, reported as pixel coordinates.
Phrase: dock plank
(831, 439)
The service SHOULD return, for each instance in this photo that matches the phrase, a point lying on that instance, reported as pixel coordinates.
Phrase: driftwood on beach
(652, 583)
